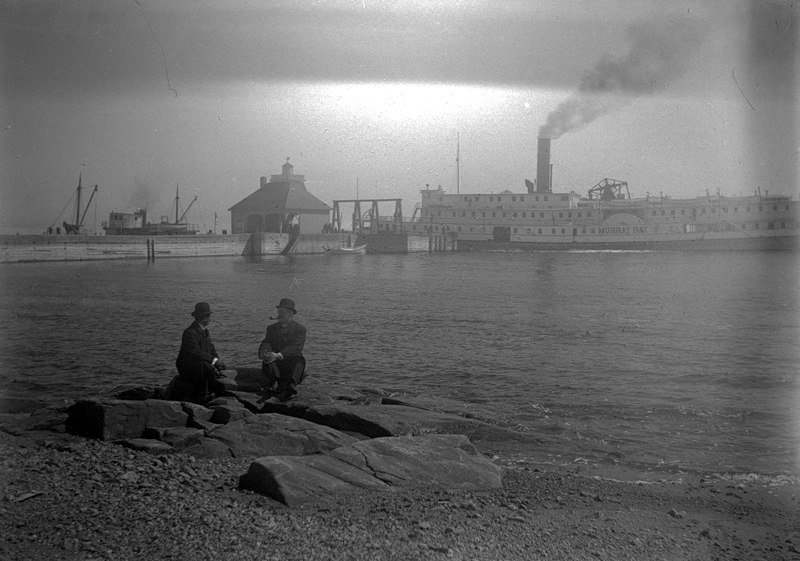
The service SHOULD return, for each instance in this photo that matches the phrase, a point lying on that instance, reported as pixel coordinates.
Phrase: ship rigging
(77, 226)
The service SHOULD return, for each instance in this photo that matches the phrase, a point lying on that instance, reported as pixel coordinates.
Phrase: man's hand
(269, 357)
(219, 365)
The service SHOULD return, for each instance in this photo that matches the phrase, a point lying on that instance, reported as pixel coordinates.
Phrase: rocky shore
(64, 496)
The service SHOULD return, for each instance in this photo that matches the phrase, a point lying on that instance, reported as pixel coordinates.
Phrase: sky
(376, 98)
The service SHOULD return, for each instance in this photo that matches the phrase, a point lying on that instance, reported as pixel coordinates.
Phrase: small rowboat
(358, 250)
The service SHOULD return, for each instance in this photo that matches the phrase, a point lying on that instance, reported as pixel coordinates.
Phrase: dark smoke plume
(657, 55)
(143, 196)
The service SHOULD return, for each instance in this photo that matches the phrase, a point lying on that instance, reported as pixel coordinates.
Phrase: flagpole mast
(458, 163)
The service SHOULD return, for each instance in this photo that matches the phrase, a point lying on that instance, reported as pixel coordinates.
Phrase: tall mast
(458, 163)
(78, 206)
(176, 203)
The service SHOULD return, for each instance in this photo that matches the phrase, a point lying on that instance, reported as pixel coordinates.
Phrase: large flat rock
(115, 419)
(440, 461)
(320, 418)
(439, 404)
(51, 418)
(277, 435)
(377, 421)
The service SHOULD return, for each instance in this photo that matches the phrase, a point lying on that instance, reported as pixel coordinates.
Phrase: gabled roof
(282, 197)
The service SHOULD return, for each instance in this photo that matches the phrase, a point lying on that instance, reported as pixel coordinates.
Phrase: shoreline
(66, 497)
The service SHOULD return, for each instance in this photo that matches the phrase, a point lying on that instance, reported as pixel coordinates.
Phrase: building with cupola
(281, 205)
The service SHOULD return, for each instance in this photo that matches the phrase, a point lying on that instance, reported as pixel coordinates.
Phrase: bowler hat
(201, 309)
(287, 303)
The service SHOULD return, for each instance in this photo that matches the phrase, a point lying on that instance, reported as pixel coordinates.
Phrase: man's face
(284, 315)
(204, 320)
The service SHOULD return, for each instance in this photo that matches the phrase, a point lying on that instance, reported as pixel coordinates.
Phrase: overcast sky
(139, 97)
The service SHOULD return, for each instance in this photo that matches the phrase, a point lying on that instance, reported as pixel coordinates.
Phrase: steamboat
(135, 223)
(606, 218)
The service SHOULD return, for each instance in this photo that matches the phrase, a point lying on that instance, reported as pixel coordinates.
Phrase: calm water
(673, 360)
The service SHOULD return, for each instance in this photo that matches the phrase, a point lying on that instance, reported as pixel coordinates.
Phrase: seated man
(282, 352)
(198, 361)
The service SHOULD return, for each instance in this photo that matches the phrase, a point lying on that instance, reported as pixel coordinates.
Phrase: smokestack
(543, 178)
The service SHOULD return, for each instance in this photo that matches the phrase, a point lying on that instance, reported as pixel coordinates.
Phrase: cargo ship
(135, 223)
(607, 217)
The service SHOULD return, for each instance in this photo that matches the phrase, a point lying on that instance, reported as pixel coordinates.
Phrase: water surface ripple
(664, 359)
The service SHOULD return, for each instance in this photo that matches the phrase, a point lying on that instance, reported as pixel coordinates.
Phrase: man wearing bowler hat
(281, 353)
(198, 361)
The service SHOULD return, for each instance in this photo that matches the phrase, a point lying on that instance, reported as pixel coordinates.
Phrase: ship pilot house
(281, 205)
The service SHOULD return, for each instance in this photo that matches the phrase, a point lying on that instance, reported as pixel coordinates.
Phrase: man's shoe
(206, 398)
(286, 394)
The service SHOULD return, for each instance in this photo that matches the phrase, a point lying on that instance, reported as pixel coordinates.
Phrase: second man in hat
(281, 352)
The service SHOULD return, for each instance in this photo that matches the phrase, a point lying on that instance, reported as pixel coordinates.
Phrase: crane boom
(80, 222)
(187, 209)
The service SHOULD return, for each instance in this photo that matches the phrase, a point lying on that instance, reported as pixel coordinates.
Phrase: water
(667, 360)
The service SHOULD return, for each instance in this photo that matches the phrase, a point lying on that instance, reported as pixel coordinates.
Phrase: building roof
(284, 194)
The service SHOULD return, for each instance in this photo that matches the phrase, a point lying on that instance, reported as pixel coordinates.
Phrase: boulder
(197, 412)
(307, 396)
(277, 435)
(12, 405)
(177, 389)
(227, 409)
(141, 393)
(226, 378)
(250, 380)
(377, 421)
(389, 420)
(204, 425)
(293, 481)
(205, 447)
(51, 418)
(250, 401)
(15, 423)
(178, 438)
(114, 419)
(439, 461)
(225, 415)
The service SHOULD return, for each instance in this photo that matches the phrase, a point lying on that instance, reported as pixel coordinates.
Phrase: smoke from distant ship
(143, 196)
(657, 55)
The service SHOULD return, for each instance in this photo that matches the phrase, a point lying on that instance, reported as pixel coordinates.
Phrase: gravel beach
(69, 498)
